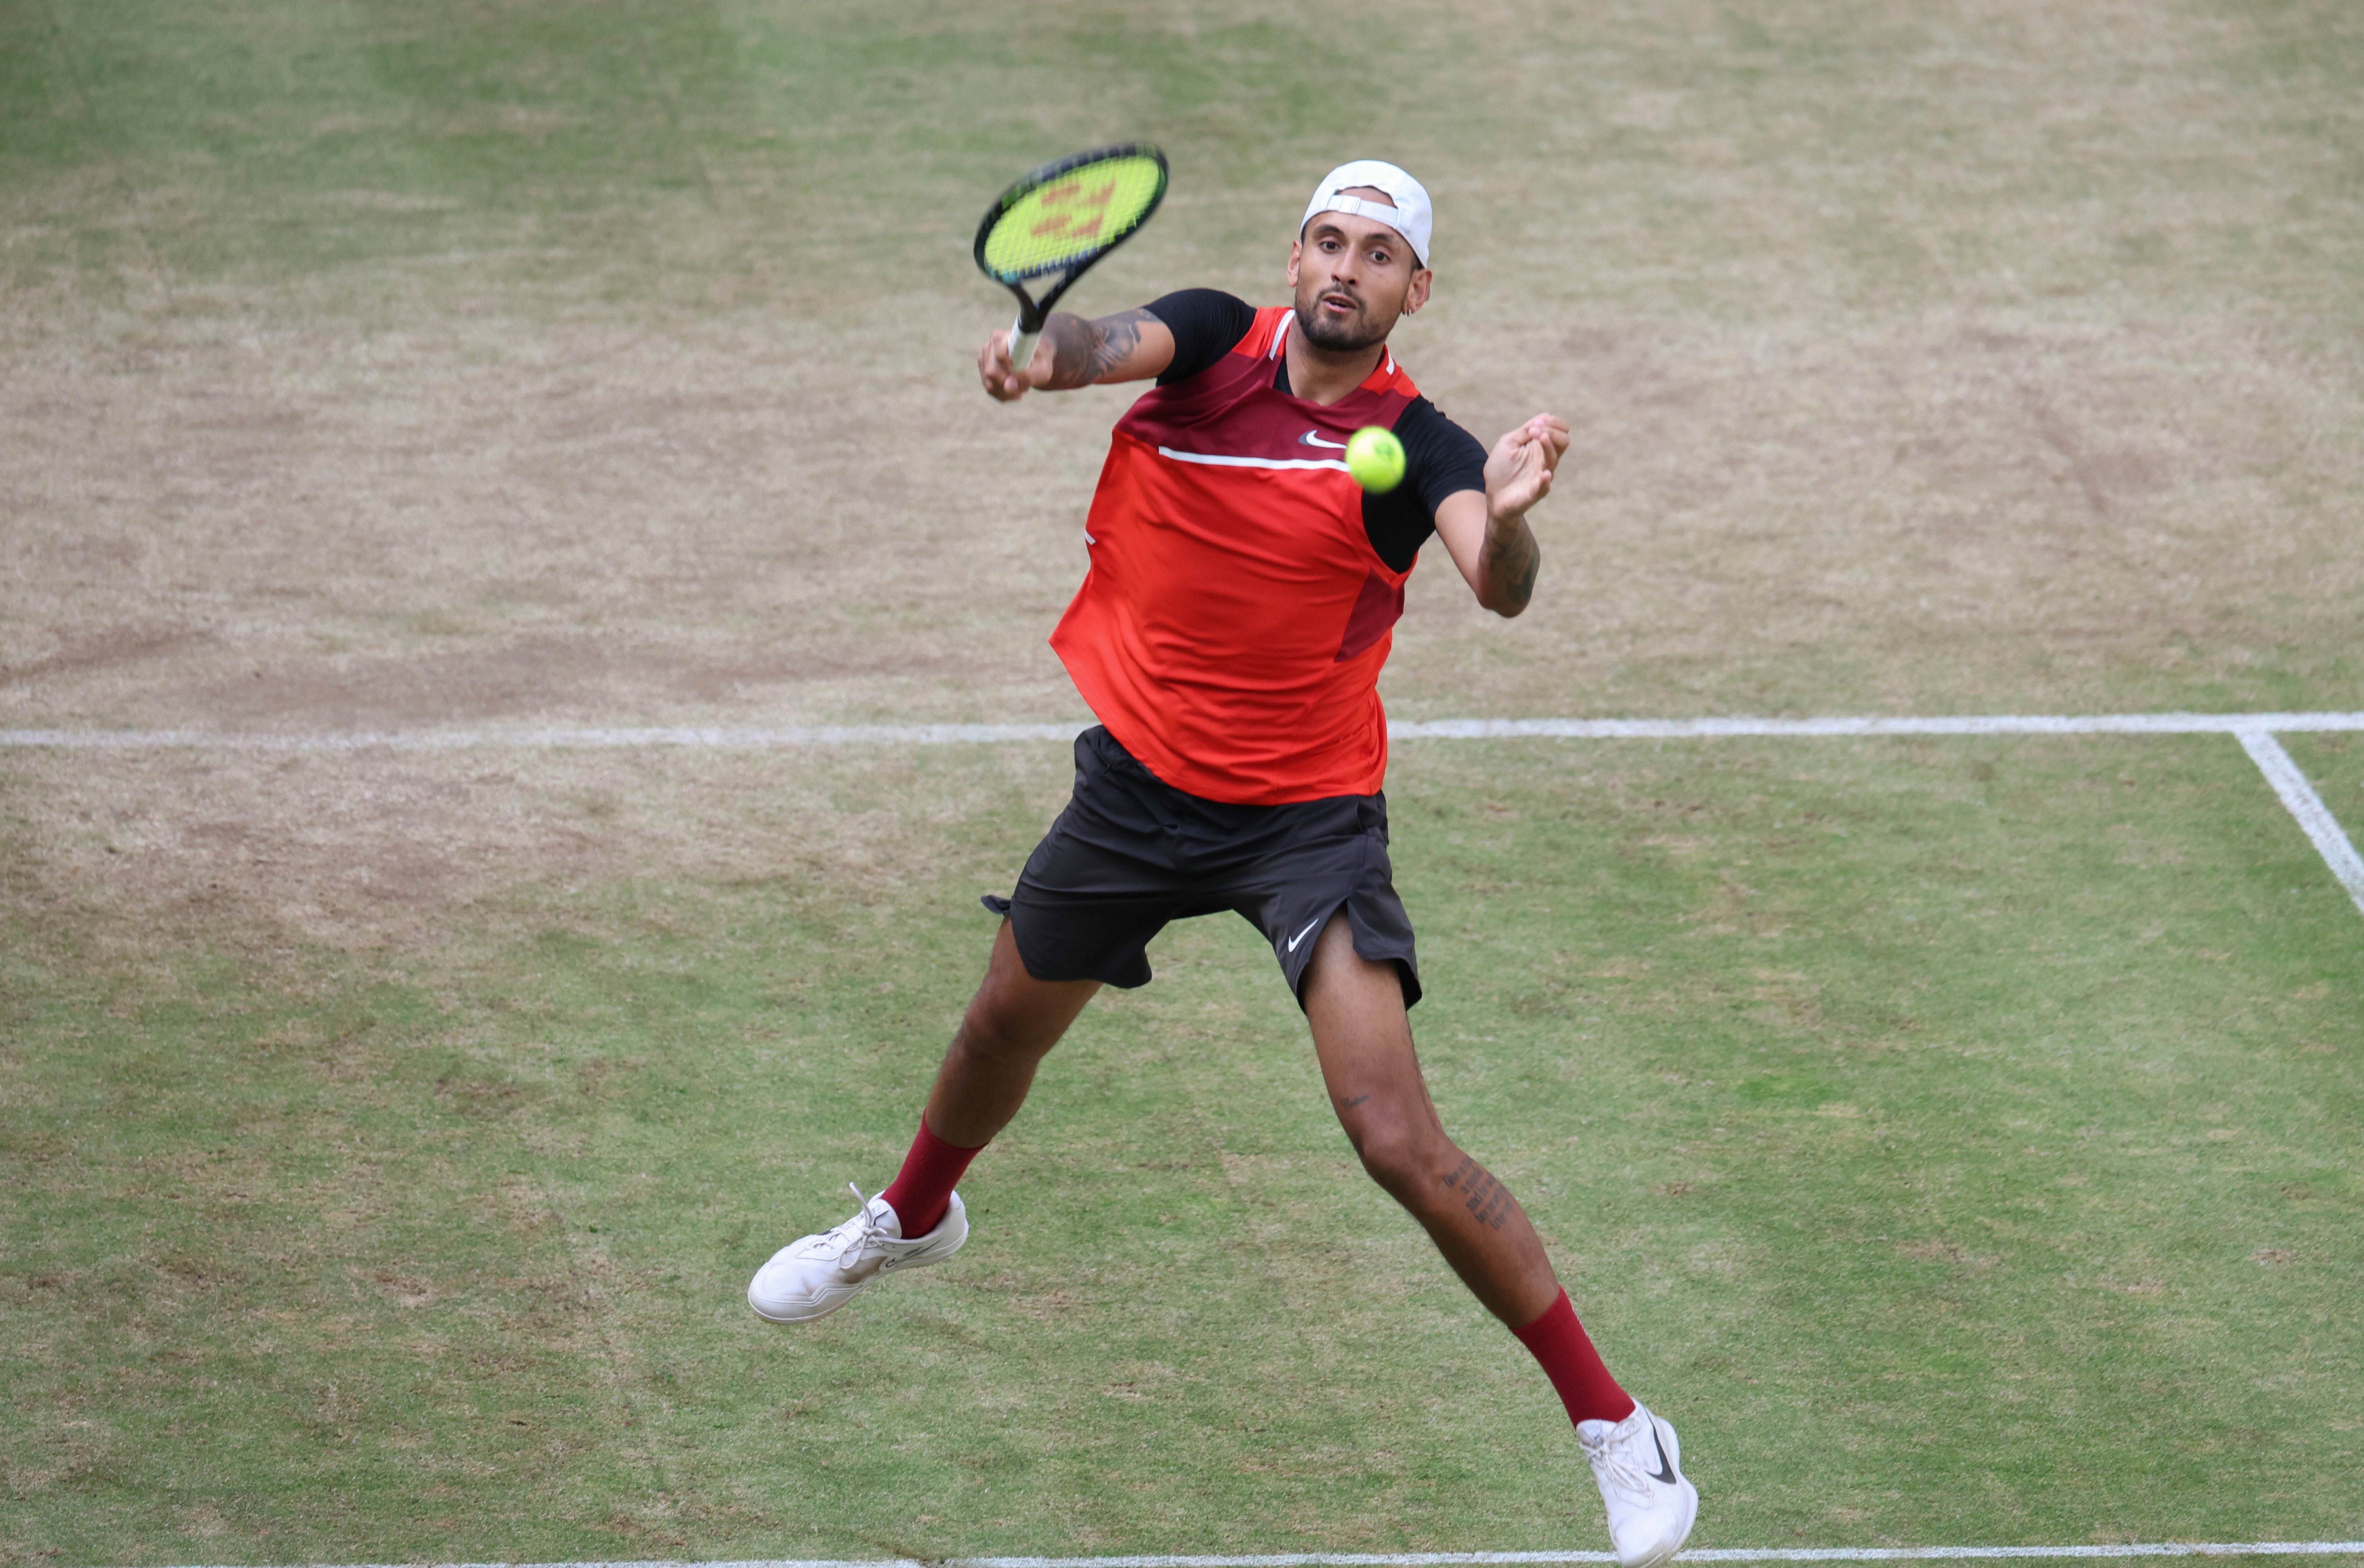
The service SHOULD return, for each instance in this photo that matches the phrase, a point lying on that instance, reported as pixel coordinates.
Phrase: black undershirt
(1440, 457)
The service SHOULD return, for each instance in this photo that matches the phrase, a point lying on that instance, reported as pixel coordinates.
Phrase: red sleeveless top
(1230, 630)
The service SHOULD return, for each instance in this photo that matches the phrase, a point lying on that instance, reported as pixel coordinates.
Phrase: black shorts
(1131, 853)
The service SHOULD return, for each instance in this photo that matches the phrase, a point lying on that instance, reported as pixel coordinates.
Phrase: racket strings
(1071, 218)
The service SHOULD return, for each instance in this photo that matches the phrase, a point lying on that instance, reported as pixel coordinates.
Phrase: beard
(1340, 336)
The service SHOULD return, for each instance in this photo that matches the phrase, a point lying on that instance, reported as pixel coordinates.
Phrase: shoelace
(857, 1232)
(1615, 1461)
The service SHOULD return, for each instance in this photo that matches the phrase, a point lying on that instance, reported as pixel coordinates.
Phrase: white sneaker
(1639, 1466)
(813, 1278)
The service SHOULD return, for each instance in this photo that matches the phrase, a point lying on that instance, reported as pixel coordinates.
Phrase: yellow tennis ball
(1376, 459)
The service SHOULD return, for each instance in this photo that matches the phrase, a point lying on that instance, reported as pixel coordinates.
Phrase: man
(1229, 635)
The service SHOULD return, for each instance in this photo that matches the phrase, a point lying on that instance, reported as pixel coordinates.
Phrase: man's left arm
(1487, 533)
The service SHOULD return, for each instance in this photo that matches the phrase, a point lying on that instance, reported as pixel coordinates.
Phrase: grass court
(1955, 1137)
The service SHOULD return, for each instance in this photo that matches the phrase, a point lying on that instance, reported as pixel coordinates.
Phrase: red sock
(924, 1190)
(1558, 1342)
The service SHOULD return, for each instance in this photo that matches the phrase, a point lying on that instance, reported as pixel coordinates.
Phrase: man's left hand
(1518, 471)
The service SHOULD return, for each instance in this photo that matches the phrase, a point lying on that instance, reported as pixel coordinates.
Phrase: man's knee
(1400, 1149)
(995, 1028)
(1014, 1017)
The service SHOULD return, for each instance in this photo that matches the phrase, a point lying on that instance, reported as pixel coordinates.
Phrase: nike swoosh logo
(1665, 1472)
(1313, 439)
(1302, 935)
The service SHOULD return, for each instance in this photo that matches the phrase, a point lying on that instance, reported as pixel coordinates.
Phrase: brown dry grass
(1981, 511)
(377, 849)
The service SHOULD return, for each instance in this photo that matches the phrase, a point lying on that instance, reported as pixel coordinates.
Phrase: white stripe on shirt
(1253, 461)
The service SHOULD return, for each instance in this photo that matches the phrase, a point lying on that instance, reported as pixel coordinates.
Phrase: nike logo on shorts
(1313, 439)
(1303, 934)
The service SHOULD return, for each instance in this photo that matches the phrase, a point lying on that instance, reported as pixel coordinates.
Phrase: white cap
(1410, 217)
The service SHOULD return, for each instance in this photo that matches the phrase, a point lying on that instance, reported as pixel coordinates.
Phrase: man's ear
(1416, 296)
(1296, 250)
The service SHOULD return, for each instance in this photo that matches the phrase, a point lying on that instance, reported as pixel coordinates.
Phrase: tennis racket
(1060, 219)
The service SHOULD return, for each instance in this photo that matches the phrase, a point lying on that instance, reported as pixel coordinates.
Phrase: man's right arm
(1131, 345)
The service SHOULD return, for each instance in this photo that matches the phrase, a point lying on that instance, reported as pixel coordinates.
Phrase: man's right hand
(1131, 345)
(1002, 383)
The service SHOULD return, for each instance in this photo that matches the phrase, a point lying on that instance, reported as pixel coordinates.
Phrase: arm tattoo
(1513, 563)
(1485, 1198)
(1082, 351)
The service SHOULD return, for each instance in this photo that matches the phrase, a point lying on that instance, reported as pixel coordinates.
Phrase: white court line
(793, 735)
(1971, 724)
(1724, 1554)
(1453, 1559)
(2314, 818)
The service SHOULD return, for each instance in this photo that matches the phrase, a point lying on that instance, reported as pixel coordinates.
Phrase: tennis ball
(1376, 459)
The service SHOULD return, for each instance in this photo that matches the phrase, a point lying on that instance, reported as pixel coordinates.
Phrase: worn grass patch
(1953, 1138)
(413, 360)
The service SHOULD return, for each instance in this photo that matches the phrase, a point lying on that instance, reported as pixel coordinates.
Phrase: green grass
(679, 154)
(1955, 1138)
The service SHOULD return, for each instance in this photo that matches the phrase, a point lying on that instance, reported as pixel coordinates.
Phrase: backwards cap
(1410, 217)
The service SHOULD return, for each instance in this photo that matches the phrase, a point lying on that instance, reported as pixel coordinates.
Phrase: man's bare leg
(1364, 1041)
(1011, 1024)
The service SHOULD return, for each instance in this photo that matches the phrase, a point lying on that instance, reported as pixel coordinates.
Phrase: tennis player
(1229, 635)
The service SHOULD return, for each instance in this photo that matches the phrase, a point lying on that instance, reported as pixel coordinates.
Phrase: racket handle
(1022, 344)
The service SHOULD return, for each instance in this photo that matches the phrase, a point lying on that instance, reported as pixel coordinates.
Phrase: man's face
(1353, 278)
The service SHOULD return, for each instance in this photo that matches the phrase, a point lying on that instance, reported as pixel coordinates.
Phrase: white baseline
(1477, 1559)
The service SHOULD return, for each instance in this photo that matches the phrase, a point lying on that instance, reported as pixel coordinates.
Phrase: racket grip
(1022, 344)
